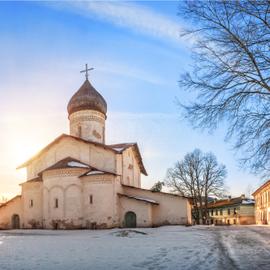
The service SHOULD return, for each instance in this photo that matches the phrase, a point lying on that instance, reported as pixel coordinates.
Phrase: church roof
(34, 180)
(68, 162)
(138, 198)
(230, 202)
(261, 187)
(108, 147)
(87, 98)
(11, 200)
(151, 191)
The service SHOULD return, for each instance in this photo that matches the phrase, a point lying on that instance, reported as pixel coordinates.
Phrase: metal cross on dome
(86, 71)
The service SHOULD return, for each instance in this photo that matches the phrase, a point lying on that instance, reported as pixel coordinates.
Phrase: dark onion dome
(87, 98)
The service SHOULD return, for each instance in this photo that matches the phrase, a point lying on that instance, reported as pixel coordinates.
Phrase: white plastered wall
(131, 171)
(171, 209)
(143, 211)
(102, 212)
(32, 215)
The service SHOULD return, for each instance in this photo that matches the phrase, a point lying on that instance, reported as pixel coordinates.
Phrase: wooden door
(130, 220)
(15, 221)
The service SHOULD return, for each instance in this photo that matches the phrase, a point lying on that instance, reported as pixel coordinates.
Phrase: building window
(55, 203)
(91, 199)
(212, 212)
(79, 131)
(31, 203)
(234, 221)
(229, 211)
(234, 211)
(216, 212)
(221, 212)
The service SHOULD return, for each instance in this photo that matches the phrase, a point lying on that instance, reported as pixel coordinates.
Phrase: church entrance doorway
(130, 220)
(15, 221)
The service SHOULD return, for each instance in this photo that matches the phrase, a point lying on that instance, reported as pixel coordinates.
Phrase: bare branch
(231, 74)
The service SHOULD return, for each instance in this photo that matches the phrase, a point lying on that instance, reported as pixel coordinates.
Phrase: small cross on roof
(86, 71)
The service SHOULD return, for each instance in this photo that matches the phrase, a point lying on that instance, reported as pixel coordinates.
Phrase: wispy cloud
(131, 72)
(129, 15)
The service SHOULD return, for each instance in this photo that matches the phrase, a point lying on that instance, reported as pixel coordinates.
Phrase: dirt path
(225, 260)
(243, 248)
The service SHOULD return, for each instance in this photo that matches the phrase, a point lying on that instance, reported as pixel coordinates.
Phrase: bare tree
(231, 73)
(197, 176)
(249, 190)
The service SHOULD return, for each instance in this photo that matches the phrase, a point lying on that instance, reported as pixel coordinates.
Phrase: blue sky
(138, 56)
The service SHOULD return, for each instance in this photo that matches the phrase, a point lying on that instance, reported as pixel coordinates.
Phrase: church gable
(131, 166)
(125, 147)
(93, 154)
(97, 155)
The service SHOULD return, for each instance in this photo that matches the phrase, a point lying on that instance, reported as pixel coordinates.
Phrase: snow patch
(77, 164)
(94, 172)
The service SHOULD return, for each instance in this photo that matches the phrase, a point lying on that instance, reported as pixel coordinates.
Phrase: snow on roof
(94, 172)
(230, 201)
(139, 198)
(77, 164)
(161, 192)
(144, 199)
(119, 148)
(248, 201)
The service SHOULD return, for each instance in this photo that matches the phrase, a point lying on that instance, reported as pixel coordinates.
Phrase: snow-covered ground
(172, 247)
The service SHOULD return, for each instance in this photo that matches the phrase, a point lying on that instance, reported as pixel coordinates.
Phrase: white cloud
(128, 15)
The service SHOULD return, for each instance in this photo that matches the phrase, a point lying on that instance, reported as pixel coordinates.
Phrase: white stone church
(78, 181)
